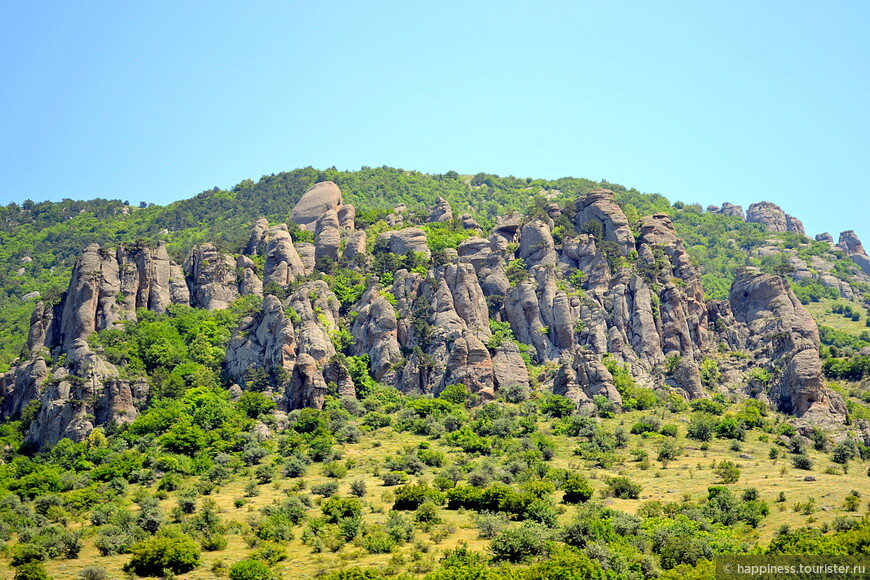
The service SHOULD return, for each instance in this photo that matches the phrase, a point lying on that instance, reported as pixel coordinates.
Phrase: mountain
(183, 339)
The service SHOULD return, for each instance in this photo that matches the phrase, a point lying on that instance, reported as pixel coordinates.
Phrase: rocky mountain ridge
(604, 295)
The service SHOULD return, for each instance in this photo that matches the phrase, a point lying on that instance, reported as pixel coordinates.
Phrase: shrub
(520, 543)
(176, 553)
(412, 496)
(802, 462)
(378, 541)
(701, 427)
(623, 488)
(576, 489)
(92, 573)
(727, 471)
(326, 489)
(250, 570)
(31, 571)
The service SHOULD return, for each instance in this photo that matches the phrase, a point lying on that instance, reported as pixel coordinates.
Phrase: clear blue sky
(701, 101)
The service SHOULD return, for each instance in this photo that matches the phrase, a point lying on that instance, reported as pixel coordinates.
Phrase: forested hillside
(384, 373)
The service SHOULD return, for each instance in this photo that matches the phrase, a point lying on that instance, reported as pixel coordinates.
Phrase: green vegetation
(393, 485)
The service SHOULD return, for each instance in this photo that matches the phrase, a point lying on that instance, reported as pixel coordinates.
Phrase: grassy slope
(689, 475)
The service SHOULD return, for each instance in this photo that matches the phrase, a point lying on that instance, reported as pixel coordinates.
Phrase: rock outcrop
(327, 236)
(375, 333)
(318, 200)
(211, 277)
(784, 339)
(442, 212)
(401, 242)
(604, 297)
(773, 218)
(262, 348)
(850, 244)
(728, 209)
(536, 244)
(257, 240)
(283, 264)
(598, 206)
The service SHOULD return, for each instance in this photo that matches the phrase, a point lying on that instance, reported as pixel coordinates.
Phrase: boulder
(307, 252)
(356, 245)
(468, 222)
(249, 283)
(403, 241)
(322, 197)
(508, 367)
(850, 244)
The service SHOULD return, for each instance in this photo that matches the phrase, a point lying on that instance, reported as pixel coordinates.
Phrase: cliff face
(608, 289)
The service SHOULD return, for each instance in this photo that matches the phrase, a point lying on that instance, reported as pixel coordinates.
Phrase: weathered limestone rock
(347, 217)
(321, 198)
(581, 377)
(356, 245)
(257, 241)
(265, 341)
(327, 236)
(468, 298)
(336, 372)
(442, 211)
(403, 241)
(773, 218)
(728, 209)
(850, 244)
(307, 386)
(524, 314)
(249, 283)
(779, 329)
(825, 237)
(508, 226)
(536, 244)
(375, 332)
(211, 277)
(283, 264)
(599, 205)
(469, 363)
(508, 367)
(468, 222)
(306, 251)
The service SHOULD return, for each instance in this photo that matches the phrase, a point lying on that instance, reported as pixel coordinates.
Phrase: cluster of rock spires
(768, 214)
(603, 292)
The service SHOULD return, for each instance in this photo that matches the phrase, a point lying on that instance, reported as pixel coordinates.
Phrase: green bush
(576, 489)
(727, 471)
(623, 488)
(31, 571)
(250, 570)
(176, 553)
(520, 543)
